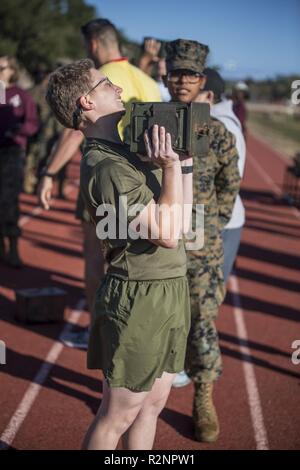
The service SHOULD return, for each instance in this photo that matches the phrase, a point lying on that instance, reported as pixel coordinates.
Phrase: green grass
(282, 125)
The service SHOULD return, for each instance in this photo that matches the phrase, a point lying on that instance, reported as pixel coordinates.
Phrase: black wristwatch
(187, 169)
(45, 172)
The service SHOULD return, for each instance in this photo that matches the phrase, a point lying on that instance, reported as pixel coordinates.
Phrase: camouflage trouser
(11, 180)
(30, 178)
(207, 291)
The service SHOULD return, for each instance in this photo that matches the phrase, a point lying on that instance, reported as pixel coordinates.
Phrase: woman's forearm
(169, 207)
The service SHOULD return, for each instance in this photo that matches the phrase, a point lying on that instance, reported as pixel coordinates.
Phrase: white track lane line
(260, 433)
(36, 385)
(267, 178)
(257, 418)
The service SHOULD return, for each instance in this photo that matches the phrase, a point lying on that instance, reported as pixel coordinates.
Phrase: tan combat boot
(204, 414)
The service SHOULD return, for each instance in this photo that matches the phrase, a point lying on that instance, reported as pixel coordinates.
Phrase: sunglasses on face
(176, 76)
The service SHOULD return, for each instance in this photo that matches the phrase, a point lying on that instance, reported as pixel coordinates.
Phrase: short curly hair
(66, 85)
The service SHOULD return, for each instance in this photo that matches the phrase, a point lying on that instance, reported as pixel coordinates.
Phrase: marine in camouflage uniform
(42, 143)
(18, 121)
(11, 178)
(216, 182)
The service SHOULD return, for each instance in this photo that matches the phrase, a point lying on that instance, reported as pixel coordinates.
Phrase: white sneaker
(76, 339)
(181, 380)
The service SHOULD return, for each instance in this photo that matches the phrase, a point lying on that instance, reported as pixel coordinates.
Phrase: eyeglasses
(105, 79)
(77, 113)
(191, 77)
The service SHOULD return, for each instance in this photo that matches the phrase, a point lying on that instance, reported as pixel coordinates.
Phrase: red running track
(48, 397)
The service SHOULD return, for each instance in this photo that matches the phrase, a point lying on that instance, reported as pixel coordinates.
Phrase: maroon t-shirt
(18, 115)
(240, 111)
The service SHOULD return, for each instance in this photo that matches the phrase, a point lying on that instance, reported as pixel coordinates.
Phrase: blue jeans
(231, 241)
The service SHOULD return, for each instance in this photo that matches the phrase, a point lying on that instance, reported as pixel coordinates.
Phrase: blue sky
(258, 38)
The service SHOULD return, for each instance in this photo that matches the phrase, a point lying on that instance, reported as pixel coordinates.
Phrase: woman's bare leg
(141, 434)
(117, 412)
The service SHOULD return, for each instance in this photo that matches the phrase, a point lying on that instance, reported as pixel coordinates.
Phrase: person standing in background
(215, 184)
(154, 58)
(239, 96)
(18, 121)
(221, 109)
(41, 144)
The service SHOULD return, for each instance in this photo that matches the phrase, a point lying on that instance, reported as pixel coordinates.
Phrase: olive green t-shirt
(108, 171)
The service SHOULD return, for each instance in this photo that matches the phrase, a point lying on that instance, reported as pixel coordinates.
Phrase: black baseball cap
(214, 82)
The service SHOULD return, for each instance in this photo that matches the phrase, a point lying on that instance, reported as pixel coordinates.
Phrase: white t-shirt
(224, 112)
(164, 92)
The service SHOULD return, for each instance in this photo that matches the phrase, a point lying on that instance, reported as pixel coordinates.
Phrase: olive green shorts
(139, 330)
